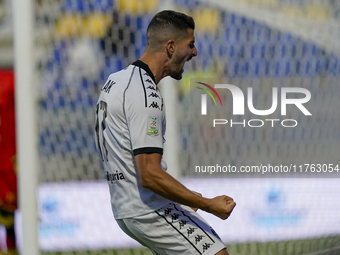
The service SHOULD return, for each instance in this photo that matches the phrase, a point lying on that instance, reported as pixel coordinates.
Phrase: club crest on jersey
(153, 126)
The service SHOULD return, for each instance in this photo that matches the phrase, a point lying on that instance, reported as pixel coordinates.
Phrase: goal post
(26, 124)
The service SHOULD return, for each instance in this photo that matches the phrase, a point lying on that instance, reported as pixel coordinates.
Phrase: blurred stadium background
(78, 43)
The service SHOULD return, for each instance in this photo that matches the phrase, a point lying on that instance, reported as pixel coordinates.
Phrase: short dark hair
(167, 24)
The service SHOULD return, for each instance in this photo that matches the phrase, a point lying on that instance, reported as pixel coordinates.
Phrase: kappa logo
(198, 238)
(191, 230)
(154, 105)
(151, 87)
(174, 216)
(153, 94)
(167, 211)
(206, 246)
(146, 74)
(182, 223)
(149, 81)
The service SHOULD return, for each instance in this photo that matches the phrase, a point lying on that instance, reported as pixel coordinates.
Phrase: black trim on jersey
(179, 232)
(141, 78)
(147, 150)
(144, 67)
(195, 223)
(133, 70)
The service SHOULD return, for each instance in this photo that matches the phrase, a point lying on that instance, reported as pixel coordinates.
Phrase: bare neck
(156, 63)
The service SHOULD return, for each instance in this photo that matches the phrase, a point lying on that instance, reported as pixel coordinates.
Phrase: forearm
(153, 177)
(165, 185)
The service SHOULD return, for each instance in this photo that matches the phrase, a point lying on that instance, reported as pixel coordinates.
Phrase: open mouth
(184, 63)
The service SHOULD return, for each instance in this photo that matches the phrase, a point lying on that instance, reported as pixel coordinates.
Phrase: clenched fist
(221, 206)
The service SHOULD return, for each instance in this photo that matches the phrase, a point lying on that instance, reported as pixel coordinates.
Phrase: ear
(170, 47)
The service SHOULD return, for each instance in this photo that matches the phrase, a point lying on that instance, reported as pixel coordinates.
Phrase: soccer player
(149, 204)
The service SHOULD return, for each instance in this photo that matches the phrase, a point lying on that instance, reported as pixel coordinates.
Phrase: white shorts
(173, 229)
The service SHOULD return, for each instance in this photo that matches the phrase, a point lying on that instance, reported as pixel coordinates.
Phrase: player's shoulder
(143, 90)
(136, 74)
(117, 81)
(122, 75)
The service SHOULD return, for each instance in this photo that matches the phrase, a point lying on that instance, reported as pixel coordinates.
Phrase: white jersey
(130, 121)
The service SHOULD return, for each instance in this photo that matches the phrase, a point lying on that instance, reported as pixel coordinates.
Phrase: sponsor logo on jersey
(154, 105)
(149, 81)
(191, 230)
(198, 238)
(153, 126)
(114, 177)
(206, 246)
(182, 223)
(151, 87)
(174, 217)
(167, 211)
(153, 94)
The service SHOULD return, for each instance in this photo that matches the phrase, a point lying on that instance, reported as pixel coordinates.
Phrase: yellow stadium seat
(137, 6)
(317, 11)
(69, 25)
(96, 24)
(207, 20)
(293, 11)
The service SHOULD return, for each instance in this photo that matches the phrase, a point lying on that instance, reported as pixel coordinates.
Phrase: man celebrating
(149, 204)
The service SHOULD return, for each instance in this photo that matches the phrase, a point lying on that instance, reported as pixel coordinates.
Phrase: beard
(177, 69)
(177, 75)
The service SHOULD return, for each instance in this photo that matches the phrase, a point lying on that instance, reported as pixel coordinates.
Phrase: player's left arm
(198, 194)
(153, 177)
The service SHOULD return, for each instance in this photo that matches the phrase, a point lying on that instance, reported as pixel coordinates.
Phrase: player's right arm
(153, 177)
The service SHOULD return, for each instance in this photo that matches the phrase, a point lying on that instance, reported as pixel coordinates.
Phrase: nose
(194, 52)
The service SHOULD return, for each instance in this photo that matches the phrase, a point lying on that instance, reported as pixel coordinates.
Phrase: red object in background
(8, 183)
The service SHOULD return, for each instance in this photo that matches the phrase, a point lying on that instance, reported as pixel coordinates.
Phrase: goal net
(260, 44)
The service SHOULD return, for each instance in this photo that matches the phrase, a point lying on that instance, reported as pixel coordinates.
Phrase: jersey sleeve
(145, 117)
